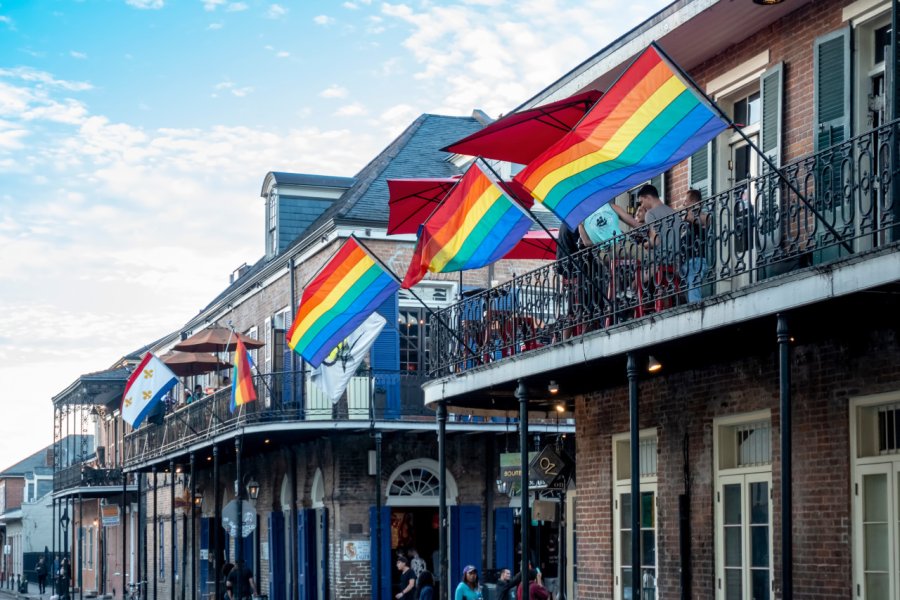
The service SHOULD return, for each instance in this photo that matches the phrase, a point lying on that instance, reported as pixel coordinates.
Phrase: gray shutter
(831, 68)
(769, 218)
(771, 85)
(700, 170)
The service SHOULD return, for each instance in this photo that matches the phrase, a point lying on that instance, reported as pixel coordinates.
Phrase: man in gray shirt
(662, 229)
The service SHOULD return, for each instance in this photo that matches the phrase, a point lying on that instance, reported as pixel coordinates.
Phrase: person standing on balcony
(693, 246)
(657, 215)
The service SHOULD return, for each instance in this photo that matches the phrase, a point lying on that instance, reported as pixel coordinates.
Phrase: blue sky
(135, 136)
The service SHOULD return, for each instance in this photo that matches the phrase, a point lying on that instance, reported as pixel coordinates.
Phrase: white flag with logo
(340, 365)
(146, 386)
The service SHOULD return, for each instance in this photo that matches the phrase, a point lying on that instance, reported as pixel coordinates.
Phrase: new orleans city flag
(147, 385)
(340, 365)
(474, 226)
(242, 390)
(344, 293)
(647, 122)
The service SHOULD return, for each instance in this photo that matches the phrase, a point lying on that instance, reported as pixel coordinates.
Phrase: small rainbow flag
(242, 390)
(475, 225)
(649, 121)
(343, 295)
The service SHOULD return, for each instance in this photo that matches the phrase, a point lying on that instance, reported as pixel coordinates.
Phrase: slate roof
(414, 153)
(36, 460)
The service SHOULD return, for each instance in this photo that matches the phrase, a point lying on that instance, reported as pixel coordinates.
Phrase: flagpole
(512, 193)
(410, 290)
(753, 145)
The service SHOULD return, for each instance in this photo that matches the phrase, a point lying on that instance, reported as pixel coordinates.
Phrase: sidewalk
(32, 594)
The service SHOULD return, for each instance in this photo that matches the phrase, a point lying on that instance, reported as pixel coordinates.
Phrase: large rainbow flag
(648, 121)
(242, 390)
(475, 225)
(344, 293)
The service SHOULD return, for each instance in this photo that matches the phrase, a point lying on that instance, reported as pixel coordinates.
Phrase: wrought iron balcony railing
(284, 397)
(816, 210)
(82, 475)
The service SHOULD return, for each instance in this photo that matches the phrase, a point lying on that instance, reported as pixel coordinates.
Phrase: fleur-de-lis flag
(147, 385)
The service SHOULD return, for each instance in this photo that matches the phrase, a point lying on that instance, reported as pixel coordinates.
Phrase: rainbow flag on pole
(344, 293)
(475, 225)
(647, 122)
(242, 389)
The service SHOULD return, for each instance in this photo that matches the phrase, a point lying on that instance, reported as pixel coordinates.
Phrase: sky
(135, 136)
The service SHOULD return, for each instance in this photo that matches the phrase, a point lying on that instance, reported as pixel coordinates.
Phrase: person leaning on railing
(693, 246)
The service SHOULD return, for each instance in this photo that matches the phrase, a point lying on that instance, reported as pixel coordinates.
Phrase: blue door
(204, 552)
(504, 539)
(321, 516)
(465, 540)
(276, 556)
(386, 361)
(380, 552)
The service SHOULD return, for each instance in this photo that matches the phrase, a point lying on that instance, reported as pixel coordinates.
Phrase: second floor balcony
(86, 476)
(833, 211)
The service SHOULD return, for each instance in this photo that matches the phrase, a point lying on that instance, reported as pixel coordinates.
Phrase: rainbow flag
(475, 225)
(344, 293)
(649, 121)
(242, 390)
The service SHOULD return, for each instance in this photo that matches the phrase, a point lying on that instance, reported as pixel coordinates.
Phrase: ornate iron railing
(815, 210)
(85, 476)
(284, 397)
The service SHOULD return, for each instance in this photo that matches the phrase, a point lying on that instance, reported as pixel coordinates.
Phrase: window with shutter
(700, 169)
(768, 197)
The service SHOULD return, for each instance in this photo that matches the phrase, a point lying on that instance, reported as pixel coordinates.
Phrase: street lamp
(253, 489)
(198, 498)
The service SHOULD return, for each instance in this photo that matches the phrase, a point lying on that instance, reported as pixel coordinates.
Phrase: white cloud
(78, 55)
(283, 54)
(493, 55)
(334, 91)
(397, 118)
(351, 110)
(323, 20)
(215, 26)
(237, 7)
(146, 4)
(276, 11)
(350, 6)
(5, 19)
(234, 89)
(211, 5)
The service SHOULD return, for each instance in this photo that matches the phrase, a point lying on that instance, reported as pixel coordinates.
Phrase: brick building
(790, 350)
(329, 493)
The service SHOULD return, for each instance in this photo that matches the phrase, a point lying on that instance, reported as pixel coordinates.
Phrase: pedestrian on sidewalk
(41, 571)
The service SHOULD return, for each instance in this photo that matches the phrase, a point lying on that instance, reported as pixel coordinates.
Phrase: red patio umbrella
(537, 244)
(412, 200)
(520, 137)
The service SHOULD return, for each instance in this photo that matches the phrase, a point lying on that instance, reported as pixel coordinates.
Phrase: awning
(520, 137)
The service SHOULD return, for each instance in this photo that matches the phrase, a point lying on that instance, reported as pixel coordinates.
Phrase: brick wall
(825, 373)
(789, 40)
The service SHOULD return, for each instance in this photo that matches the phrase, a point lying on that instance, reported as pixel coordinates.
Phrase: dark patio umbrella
(217, 339)
(520, 137)
(185, 364)
(537, 245)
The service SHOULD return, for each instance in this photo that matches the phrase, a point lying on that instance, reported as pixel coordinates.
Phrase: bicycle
(136, 590)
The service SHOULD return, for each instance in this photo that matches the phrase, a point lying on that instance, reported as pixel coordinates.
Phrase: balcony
(758, 235)
(282, 404)
(81, 475)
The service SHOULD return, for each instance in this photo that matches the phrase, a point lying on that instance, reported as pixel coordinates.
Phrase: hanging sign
(109, 515)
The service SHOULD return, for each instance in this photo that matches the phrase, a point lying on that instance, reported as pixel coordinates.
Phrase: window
(743, 450)
(272, 225)
(876, 496)
(161, 535)
(29, 495)
(89, 556)
(414, 326)
(622, 511)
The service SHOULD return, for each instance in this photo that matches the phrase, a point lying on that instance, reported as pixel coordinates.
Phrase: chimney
(238, 273)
